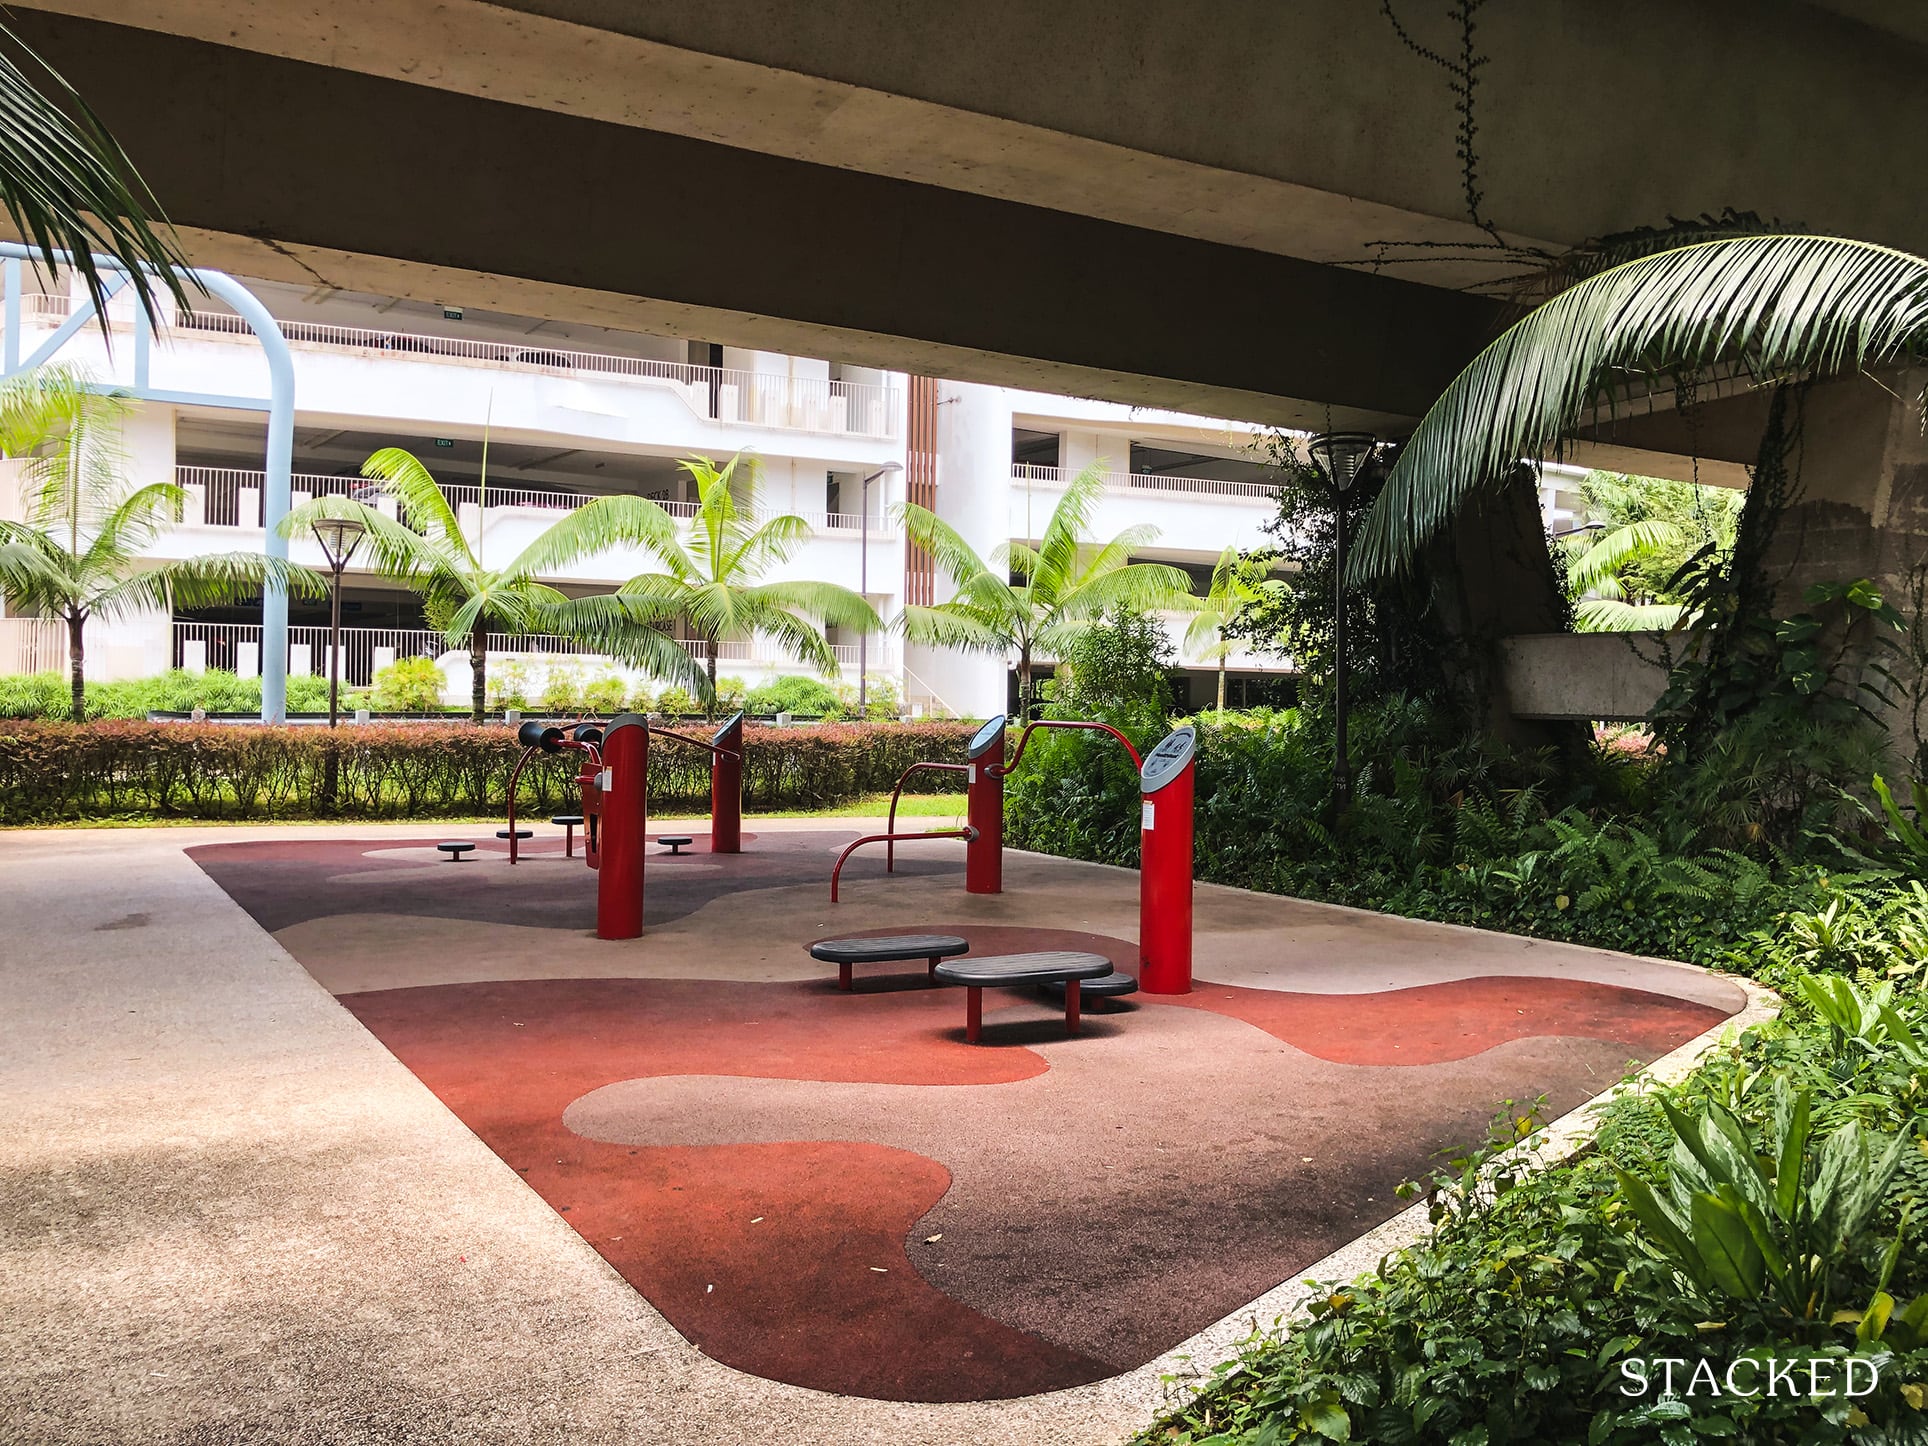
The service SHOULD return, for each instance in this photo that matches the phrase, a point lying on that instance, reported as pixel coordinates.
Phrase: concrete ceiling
(1247, 209)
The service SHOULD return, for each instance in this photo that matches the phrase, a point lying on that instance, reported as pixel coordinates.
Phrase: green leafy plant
(562, 689)
(1777, 305)
(603, 694)
(1034, 601)
(713, 580)
(409, 685)
(468, 601)
(806, 697)
(82, 549)
(676, 703)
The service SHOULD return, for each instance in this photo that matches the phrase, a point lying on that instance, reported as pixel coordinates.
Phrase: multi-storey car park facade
(571, 412)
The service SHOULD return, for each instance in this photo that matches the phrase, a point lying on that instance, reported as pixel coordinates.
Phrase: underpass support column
(984, 810)
(625, 828)
(1165, 866)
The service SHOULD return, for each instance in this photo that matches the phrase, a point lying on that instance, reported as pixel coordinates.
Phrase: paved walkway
(230, 1214)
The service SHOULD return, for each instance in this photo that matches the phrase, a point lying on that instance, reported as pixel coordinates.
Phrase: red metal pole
(726, 788)
(1165, 867)
(625, 828)
(984, 810)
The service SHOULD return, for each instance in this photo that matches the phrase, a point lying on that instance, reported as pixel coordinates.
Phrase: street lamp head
(883, 471)
(339, 537)
(1341, 456)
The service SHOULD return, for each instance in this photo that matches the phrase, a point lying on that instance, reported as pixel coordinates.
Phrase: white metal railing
(1146, 482)
(809, 404)
(232, 497)
(33, 645)
(236, 647)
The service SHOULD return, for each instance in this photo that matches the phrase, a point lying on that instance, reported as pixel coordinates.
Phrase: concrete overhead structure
(1163, 204)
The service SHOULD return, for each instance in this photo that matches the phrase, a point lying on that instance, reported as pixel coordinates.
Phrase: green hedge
(52, 772)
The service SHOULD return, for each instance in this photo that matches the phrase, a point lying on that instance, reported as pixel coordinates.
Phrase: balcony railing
(806, 404)
(1142, 482)
(32, 645)
(236, 647)
(758, 399)
(232, 497)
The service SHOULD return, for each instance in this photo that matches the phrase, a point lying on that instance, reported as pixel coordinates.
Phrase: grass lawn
(948, 807)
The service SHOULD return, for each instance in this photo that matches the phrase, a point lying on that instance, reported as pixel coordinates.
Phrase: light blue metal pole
(275, 498)
(281, 423)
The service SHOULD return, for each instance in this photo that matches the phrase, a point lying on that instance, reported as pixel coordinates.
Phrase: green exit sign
(445, 441)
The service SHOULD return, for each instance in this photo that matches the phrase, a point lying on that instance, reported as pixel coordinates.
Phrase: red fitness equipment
(1166, 788)
(726, 782)
(615, 797)
(1165, 865)
(543, 738)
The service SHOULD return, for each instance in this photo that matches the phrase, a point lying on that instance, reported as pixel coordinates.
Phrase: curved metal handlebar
(967, 834)
(515, 775)
(702, 743)
(1029, 728)
(890, 849)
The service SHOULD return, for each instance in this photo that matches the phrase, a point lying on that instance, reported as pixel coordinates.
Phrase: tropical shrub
(676, 703)
(509, 685)
(1764, 1208)
(409, 685)
(603, 694)
(562, 689)
(45, 695)
(51, 772)
(805, 697)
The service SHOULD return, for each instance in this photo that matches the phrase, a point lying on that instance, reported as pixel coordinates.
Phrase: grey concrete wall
(1583, 676)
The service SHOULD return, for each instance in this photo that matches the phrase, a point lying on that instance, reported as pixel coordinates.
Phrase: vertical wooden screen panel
(920, 486)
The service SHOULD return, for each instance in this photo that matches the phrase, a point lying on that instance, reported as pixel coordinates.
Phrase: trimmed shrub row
(52, 772)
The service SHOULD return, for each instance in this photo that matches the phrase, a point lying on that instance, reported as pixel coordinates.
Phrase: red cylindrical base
(984, 811)
(1165, 888)
(625, 829)
(726, 790)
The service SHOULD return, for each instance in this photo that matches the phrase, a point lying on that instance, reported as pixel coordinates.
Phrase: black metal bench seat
(886, 949)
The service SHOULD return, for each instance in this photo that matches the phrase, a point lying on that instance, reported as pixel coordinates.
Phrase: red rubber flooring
(832, 1189)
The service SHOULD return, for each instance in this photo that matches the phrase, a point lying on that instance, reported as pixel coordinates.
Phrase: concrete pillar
(973, 495)
(1860, 490)
(1859, 505)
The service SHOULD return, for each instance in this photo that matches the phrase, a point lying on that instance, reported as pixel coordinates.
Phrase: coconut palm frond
(954, 557)
(1142, 587)
(949, 626)
(220, 579)
(628, 630)
(68, 186)
(1781, 305)
(1611, 615)
(601, 525)
(839, 607)
(1594, 563)
(402, 475)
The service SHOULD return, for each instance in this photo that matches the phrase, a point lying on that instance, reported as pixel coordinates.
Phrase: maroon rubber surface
(834, 1190)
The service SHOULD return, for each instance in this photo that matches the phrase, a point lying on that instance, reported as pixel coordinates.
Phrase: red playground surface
(834, 1189)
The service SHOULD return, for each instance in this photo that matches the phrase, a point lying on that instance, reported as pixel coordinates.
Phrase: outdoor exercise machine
(539, 738)
(985, 770)
(1166, 788)
(614, 784)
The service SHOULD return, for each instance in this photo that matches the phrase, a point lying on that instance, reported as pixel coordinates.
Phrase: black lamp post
(1339, 458)
(863, 586)
(339, 537)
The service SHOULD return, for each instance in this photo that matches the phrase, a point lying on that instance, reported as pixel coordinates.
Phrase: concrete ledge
(1609, 677)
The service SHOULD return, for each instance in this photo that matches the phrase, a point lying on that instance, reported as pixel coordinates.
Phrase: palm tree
(1774, 306)
(1595, 581)
(69, 187)
(427, 551)
(78, 552)
(712, 581)
(1062, 585)
(1237, 583)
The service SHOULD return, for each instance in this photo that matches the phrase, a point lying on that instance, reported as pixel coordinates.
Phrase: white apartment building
(571, 412)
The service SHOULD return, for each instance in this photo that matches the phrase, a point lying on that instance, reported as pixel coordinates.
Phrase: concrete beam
(1308, 129)
(300, 171)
